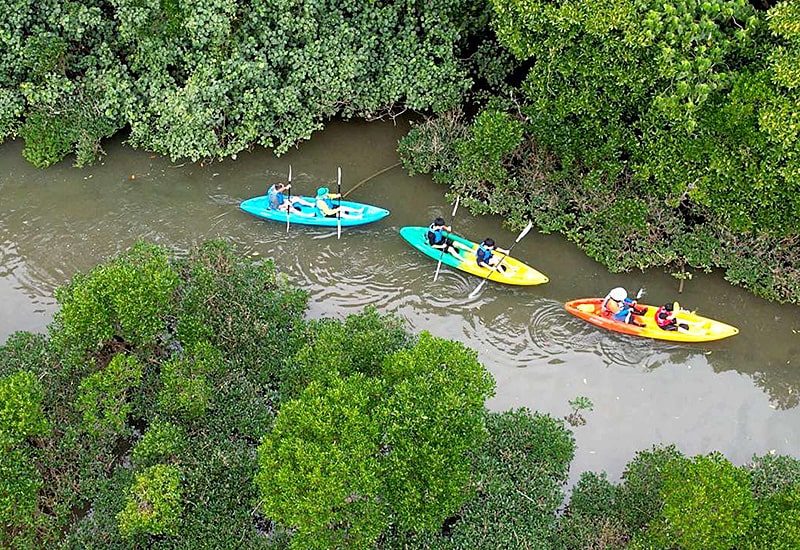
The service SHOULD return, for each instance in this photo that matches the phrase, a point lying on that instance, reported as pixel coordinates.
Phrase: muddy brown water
(738, 396)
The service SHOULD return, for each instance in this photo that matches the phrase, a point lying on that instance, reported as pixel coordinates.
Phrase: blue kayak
(259, 206)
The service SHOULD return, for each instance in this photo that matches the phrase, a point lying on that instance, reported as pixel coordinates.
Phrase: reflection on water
(737, 395)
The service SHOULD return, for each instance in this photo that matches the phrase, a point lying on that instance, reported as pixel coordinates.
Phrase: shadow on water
(738, 395)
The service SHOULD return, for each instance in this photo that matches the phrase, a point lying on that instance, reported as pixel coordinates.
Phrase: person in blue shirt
(486, 257)
(278, 201)
(438, 239)
(619, 307)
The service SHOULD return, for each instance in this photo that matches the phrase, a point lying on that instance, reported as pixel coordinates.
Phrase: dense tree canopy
(226, 420)
(655, 134)
(196, 79)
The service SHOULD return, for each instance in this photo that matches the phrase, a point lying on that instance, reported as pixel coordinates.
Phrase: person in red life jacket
(666, 318)
(438, 239)
(485, 255)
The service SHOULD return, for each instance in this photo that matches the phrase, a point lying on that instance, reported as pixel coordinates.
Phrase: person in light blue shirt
(279, 201)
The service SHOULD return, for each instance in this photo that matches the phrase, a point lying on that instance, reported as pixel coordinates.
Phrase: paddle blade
(477, 289)
(524, 232)
(290, 173)
(455, 207)
(438, 267)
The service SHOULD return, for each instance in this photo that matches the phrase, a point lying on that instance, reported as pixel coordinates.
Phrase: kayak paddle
(339, 208)
(494, 268)
(439, 265)
(289, 200)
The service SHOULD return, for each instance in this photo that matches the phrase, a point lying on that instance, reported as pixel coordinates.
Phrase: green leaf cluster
(186, 390)
(103, 395)
(360, 451)
(124, 302)
(666, 500)
(21, 418)
(154, 503)
(196, 80)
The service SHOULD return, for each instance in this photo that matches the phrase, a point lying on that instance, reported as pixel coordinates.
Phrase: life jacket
(324, 206)
(610, 306)
(664, 318)
(435, 236)
(483, 254)
(275, 198)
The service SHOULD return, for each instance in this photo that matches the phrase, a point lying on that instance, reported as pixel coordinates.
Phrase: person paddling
(666, 317)
(619, 307)
(438, 240)
(328, 209)
(278, 201)
(485, 256)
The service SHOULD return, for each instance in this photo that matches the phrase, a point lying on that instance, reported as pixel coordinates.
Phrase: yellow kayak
(518, 273)
(701, 329)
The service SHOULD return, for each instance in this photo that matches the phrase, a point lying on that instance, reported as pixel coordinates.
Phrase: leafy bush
(355, 454)
(154, 504)
(125, 302)
(772, 473)
(640, 495)
(103, 396)
(20, 409)
(518, 480)
(336, 349)
(21, 417)
(776, 522)
(161, 442)
(186, 392)
(20, 483)
(242, 308)
(592, 519)
(707, 502)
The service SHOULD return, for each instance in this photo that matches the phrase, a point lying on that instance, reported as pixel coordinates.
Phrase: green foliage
(707, 502)
(591, 521)
(772, 473)
(21, 413)
(161, 442)
(337, 349)
(103, 397)
(124, 302)
(21, 417)
(776, 522)
(20, 483)
(494, 134)
(186, 391)
(24, 351)
(432, 417)
(319, 466)
(640, 496)
(154, 503)
(11, 109)
(244, 309)
(210, 79)
(355, 454)
(775, 483)
(519, 474)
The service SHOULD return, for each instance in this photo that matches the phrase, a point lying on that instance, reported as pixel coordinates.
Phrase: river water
(738, 396)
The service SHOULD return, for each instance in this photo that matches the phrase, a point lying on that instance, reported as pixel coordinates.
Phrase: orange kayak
(701, 329)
